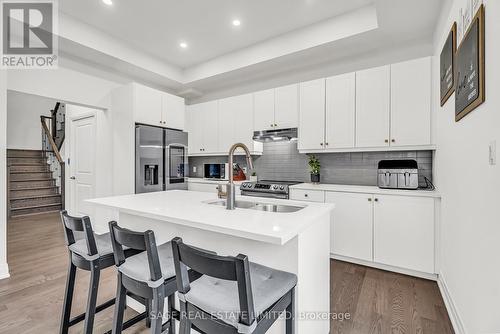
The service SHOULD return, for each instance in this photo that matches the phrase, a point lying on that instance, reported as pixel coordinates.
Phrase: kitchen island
(296, 240)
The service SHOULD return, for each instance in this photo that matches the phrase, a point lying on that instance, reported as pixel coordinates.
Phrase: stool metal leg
(68, 298)
(95, 272)
(148, 313)
(157, 310)
(121, 297)
(290, 318)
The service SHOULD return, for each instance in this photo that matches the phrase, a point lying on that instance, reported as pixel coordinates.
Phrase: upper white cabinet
(411, 103)
(312, 115)
(203, 122)
(147, 105)
(340, 111)
(286, 112)
(352, 230)
(153, 107)
(373, 107)
(264, 108)
(235, 122)
(276, 108)
(173, 111)
(404, 232)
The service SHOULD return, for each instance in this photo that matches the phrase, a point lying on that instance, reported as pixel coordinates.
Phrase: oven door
(263, 194)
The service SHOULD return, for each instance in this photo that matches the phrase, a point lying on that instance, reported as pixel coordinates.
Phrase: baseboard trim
(4, 271)
(456, 321)
(409, 272)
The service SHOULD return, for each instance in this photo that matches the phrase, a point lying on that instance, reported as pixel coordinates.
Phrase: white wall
(4, 271)
(23, 117)
(470, 188)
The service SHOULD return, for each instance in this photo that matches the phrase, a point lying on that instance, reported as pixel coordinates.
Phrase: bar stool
(233, 295)
(149, 274)
(92, 253)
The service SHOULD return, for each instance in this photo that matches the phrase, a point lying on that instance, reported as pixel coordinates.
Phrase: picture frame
(470, 67)
(447, 65)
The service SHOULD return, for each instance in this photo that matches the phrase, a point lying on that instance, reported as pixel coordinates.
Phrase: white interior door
(82, 165)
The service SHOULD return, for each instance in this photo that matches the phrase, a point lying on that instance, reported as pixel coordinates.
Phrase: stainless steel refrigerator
(160, 159)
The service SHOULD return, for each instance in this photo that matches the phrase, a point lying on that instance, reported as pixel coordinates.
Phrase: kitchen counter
(189, 208)
(297, 242)
(366, 189)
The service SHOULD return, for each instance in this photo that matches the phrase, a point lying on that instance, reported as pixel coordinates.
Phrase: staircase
(32, 188)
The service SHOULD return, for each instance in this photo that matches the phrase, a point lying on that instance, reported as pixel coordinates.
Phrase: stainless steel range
(268, 188)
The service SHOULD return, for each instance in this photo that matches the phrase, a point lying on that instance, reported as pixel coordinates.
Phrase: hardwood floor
(30, 301)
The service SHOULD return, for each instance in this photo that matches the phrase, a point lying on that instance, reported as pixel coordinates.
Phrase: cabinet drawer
(307, 195)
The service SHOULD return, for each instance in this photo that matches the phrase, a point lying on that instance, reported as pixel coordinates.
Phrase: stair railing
(53, 156)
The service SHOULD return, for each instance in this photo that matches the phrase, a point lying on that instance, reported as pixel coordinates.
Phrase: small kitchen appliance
(216, 171)
(397, 174)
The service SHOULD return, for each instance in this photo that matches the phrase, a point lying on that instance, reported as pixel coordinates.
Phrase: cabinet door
(210, 127)
(236, 122)
(372, 107)
(340, 111)
(404, 232)
(312, 115)
(194, 118)
(352, 229)
(264, 110)
(287, 107)
(173, 111)
(411, 103)
(147, 105)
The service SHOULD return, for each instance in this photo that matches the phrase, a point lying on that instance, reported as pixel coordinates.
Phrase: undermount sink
(260, 206)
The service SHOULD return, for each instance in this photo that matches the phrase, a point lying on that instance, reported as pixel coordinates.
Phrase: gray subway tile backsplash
(282, 161)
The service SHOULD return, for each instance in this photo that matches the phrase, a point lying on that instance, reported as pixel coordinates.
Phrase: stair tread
(34, 196)
(35, 188)
(35, 179)
(29, 172)
(36, 206)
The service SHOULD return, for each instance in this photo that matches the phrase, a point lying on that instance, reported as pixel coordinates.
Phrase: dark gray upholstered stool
(233, 295)
(149, 274)
(90, 252)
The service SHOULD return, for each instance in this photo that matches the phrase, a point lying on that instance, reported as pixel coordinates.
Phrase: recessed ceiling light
(108, 2)
(236, 23)
(183, 45)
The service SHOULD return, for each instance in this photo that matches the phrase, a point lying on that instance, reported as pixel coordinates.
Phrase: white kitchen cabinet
(312, 115)
(307, 195)
(264, 107)
(352, 225)
(404, 232)
(373, 107)
(286, 112)
(236, 123)
(411, 103)
(157, 108)
(147, 105)
(173, 111)
(209, 186)
(202, 126)
(340, 111)
(276, 108)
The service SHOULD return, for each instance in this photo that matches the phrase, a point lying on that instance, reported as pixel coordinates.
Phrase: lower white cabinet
(209, 187)
(352, 225)
(391, 231)
(404, 232)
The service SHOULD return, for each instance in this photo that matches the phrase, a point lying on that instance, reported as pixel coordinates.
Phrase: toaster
(397, 174)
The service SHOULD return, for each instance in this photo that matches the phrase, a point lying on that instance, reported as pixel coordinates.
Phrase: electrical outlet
(493, 153)
(194, 169)
(244, 170)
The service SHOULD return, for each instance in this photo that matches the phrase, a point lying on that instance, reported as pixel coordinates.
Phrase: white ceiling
(158, 26)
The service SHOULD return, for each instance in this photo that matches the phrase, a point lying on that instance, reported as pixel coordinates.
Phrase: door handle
(73, 178)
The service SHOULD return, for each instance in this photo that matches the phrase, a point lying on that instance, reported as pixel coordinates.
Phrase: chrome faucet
(230, 189)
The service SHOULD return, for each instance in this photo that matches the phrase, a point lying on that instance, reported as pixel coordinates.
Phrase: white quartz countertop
(189, 208)
(365, 189)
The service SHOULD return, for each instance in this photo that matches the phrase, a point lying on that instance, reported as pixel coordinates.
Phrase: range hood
(275, 135)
